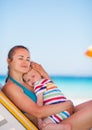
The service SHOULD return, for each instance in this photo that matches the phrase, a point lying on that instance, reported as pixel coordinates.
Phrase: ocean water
(77, 89)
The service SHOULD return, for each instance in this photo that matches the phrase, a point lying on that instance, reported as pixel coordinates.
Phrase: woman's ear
(8, 60)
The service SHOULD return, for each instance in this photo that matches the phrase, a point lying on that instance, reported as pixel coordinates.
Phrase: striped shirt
(51, 95)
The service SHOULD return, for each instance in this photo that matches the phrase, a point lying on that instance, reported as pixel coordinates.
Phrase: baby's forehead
(30, 67)
(32, 71)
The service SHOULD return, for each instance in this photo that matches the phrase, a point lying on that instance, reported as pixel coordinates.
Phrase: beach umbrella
(89, 52)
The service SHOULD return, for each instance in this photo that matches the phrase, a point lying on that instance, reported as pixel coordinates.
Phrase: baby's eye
(28, 80)
(33, 76)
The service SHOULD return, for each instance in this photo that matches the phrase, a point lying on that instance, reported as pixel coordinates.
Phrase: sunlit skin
(31, 77)
(21, 61)
(18, 65)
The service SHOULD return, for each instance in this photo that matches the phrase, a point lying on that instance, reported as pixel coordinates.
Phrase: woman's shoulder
(10, 87)
(13, 92)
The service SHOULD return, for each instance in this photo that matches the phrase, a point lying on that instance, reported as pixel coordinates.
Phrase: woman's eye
(28, 59)
(20, 58)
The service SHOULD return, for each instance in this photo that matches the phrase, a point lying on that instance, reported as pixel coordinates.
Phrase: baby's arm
(40, 103)
(40, 99)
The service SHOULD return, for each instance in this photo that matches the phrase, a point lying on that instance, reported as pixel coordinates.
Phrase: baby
(47, 93)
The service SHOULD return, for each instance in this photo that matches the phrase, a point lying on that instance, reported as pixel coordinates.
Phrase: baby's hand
(71, 109)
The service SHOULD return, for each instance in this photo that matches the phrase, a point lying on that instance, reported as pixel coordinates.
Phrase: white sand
(80, 100)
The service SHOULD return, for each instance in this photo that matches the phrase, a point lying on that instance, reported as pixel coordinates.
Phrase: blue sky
(57, 33)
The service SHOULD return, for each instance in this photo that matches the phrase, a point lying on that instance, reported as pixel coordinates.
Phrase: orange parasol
(89, 51)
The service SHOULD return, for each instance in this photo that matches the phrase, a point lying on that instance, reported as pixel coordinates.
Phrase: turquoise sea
(77, 89)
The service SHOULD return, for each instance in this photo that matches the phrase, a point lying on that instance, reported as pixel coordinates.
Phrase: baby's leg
(50, 125)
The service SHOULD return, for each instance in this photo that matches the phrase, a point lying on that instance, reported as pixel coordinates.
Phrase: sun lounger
(11, 117)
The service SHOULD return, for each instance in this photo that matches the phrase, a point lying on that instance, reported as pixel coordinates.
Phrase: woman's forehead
(22, 52)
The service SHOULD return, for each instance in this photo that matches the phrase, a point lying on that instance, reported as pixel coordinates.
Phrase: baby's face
(31, 77)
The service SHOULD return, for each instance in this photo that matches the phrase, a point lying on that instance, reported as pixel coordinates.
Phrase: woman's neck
(17, 76)
(19, 79)
(19, 82)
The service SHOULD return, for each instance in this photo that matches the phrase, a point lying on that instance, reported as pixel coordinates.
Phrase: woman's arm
(24, 103)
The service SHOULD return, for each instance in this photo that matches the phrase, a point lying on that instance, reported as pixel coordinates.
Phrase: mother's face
(20, 61)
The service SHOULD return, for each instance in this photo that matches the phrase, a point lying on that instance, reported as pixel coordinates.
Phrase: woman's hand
(40, 69)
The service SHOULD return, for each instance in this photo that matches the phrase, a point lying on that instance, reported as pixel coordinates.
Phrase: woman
(18, 64)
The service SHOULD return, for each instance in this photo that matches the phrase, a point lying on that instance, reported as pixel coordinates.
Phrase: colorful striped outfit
(51, 95)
